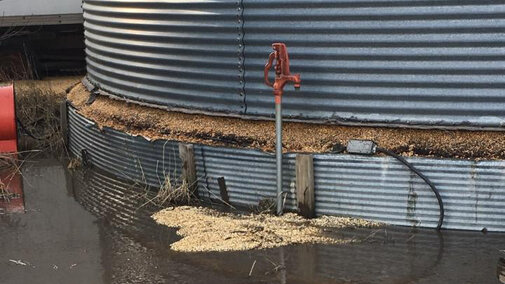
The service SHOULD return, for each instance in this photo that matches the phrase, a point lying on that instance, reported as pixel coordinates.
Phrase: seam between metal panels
(242, 58)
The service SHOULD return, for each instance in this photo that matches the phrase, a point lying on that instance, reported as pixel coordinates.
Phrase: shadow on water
(107, 236)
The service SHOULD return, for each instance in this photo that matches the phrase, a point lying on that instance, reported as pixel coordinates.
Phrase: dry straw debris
(38, 108)
(298, 137)
(10, 166)
(205, 229)
(171, 192)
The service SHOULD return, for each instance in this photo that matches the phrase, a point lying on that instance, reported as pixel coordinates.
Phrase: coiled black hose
(423, 177)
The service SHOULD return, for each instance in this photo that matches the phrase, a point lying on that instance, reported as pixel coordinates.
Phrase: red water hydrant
(282, 73)
(8, 131)
(282, 77)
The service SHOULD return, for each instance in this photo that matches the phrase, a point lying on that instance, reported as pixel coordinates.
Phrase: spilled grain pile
(204, 229)
(156, 123)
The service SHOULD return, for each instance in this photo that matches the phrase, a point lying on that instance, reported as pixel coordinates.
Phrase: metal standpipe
(278, 153)
(282, 77)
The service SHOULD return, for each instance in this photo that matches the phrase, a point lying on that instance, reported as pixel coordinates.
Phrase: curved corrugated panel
(382, 189)
(249, 175)
(382, 61)
(171, 53)
(375, 188)
(125, 156)
(391, 62)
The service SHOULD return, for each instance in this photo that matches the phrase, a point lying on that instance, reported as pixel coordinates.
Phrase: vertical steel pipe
(278, 154)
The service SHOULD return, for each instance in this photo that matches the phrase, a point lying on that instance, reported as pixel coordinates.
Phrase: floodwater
(87, 227)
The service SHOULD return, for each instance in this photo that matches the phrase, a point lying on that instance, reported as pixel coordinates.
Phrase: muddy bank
(204, 229)
(298, 137)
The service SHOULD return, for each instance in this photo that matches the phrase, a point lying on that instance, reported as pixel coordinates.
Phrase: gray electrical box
(362, 147)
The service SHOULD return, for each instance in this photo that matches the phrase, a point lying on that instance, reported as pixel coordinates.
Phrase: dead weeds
(74, 163)
(170, 193)
(10, 166)
(38, 109)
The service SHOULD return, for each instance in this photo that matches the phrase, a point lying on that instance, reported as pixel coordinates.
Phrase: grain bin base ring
(374, 188)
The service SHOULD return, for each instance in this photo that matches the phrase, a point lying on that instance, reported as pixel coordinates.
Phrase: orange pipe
(8, 131)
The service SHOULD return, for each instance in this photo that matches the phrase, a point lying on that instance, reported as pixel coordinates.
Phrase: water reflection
(107, 236)
(390, 255)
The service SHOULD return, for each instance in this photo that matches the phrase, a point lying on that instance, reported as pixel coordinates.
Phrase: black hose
(433, 188)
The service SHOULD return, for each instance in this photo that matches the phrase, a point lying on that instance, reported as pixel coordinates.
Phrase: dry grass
(15, 65)
(12, 165)
(38, 108)
(74, 163)
(5, 194)
(39, 112)
(8, 161)
(172, 192)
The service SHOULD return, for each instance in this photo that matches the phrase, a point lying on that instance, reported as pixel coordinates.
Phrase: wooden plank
(305, 185)
(187, 155)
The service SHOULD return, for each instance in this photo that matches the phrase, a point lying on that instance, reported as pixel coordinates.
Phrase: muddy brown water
(87, 227)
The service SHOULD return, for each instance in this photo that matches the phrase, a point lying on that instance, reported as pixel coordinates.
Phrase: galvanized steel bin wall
(172, 53)
(375, 188)
(426, 63)
(392, 62)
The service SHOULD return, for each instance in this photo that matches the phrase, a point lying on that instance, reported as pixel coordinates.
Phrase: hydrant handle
(268, 66)
(282, 73)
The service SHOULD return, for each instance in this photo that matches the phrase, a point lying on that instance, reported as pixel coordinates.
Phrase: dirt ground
(205, 229)
(298, 137)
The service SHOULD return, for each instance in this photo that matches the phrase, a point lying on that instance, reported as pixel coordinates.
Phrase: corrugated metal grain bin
(424, 63)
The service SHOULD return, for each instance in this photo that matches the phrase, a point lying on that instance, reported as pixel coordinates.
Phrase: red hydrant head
(282, 73)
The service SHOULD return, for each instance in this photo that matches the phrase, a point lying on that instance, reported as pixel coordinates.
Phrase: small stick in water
(252, 268)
